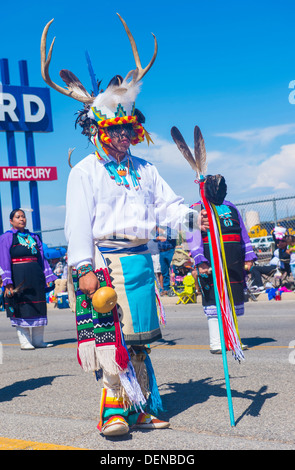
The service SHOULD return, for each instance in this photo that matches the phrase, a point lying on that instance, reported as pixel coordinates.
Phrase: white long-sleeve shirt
(97, 208)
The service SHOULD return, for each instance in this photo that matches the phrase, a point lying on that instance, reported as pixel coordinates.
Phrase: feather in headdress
(73, 83)
(123, 94)
(92, 74)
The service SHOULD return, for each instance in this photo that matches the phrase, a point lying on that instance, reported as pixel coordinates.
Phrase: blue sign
(25, 108)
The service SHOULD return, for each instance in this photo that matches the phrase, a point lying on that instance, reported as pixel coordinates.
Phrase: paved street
(45, 397)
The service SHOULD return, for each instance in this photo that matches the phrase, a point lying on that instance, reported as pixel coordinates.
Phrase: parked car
(262, 243)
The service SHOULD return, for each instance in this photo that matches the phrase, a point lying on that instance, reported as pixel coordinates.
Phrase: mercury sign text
(28, 173)
(24, 108)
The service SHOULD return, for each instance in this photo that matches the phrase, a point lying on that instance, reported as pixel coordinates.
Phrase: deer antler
(75, 89)
(139, 72)
(83, 96)
(70, 151)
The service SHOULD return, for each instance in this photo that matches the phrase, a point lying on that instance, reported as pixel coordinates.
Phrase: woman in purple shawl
(25, 274)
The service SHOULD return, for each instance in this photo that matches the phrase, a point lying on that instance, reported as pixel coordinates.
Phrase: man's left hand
(204, 223)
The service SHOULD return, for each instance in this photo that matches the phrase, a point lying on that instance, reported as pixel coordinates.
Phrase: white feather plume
(124, 94)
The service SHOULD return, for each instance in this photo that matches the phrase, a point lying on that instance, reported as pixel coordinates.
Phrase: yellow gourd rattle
(104, 299)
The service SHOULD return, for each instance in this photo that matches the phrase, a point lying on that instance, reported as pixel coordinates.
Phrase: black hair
(215, 189)
(12, 213)
(85, 122)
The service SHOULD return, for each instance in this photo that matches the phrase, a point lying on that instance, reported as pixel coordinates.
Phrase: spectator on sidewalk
(167, 246)
(291, 251)
(153, 246)
(280, 260)
(2, 307)
(26, 275)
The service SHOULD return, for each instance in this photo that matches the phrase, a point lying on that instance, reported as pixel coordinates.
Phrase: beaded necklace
(117, 171)
(25, 239)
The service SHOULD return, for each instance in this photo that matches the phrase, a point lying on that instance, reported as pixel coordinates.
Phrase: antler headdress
(114, 106)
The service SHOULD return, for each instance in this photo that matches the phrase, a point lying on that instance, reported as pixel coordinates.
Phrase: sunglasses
(117, 131)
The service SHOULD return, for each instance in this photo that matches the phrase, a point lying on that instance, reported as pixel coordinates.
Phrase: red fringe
(122, 357)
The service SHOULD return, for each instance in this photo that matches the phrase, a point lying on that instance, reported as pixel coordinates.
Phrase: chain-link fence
(53, 237)
(260, 218)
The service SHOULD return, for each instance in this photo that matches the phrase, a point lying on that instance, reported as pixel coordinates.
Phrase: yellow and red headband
(119, 120)
(120, 117)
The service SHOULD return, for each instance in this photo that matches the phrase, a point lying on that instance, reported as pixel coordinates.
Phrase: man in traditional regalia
(114, 202)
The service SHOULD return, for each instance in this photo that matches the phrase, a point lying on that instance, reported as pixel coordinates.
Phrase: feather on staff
(183, 148)
(225, 308)
(200, 153)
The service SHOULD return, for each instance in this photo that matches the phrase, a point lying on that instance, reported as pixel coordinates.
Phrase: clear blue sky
(223, 65)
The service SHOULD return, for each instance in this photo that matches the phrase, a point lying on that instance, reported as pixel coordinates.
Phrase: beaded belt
(33, 259)
(227, 238)
(134, 249)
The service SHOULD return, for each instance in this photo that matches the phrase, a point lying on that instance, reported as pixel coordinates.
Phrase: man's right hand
(89, 284)
(203, 220)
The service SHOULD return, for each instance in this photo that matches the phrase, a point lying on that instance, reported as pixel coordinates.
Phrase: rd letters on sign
(24, 108)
